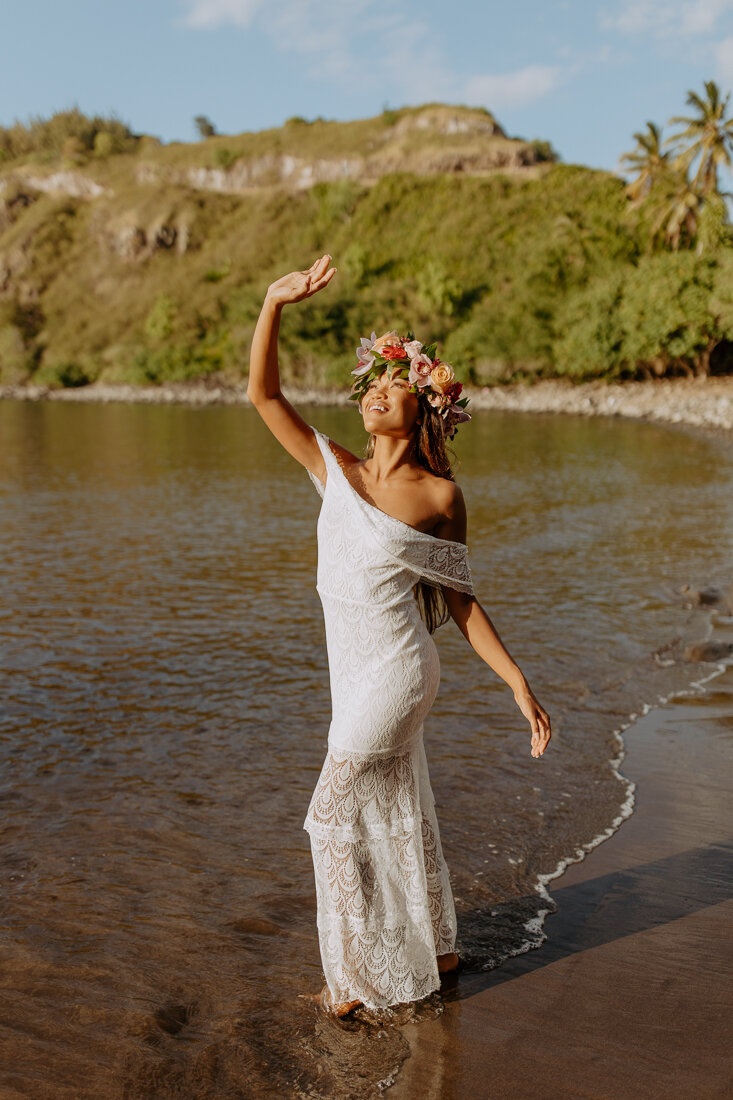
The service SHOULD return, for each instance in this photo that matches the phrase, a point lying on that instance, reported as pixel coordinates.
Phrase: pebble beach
(700, 402)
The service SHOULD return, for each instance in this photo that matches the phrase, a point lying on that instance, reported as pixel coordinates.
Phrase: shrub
(589, 333)
(73, 150)
(49, 136)
(216, 274)
(544, 151)
(225, 158)
(665, 313)
(205, 128)
(59, 375)
(437, 289)
(16, 360)
(161, 319)
(104, 144)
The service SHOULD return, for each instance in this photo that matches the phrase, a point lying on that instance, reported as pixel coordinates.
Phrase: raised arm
(481, 634)
(263, 387)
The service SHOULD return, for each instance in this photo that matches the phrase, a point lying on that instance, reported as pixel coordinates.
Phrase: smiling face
(388, 406)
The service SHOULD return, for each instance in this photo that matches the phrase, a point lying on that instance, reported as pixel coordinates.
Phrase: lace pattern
(385, 906)
(437, 561)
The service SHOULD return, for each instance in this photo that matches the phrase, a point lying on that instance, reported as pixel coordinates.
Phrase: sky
(580, 74)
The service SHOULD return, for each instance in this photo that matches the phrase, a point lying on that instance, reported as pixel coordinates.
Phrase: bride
(392, 567)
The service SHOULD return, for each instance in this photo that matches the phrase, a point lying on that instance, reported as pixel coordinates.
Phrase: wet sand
(632, 993)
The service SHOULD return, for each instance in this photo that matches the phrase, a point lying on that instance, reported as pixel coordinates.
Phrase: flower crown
(428, 376)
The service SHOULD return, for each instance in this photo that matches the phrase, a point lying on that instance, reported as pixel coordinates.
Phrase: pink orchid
(420, 368)
(365, 355)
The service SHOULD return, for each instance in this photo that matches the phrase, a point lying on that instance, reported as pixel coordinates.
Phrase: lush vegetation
(560, 270)
(67, 134)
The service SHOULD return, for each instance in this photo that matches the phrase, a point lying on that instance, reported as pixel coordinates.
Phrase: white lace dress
(385, 906)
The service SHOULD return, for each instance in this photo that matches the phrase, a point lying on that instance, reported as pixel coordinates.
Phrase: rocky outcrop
(62, 183)
(448, 121)
(245, 174)
(285, 170)
(434, 140)
(131, 241)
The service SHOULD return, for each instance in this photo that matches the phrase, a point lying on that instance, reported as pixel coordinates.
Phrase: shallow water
(164, 709)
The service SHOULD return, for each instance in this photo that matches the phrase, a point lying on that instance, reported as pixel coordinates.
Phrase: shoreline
(697, 402)
(573, 865)
(710, 652)
(617, 1002)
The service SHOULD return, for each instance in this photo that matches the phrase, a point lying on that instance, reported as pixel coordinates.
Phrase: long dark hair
(431, 452)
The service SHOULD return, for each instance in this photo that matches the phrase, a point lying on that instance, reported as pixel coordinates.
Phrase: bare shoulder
(447, 494)
(451, 508)
(344, 455)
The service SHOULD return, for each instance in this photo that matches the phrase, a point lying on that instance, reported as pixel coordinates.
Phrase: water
(164, 710)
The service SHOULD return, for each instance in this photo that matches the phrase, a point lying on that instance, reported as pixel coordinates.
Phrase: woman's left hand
(537, 717)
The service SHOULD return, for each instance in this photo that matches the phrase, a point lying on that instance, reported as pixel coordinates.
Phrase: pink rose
(413, 348)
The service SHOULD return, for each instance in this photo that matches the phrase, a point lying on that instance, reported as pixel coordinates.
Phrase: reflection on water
(164, 712)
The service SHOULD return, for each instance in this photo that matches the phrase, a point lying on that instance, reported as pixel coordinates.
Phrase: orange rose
(442, 377)
(389, 338)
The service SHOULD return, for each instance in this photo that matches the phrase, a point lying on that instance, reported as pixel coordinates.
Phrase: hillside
(149, 264)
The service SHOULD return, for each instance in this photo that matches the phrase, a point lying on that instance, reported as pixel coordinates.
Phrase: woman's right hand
(301, 284)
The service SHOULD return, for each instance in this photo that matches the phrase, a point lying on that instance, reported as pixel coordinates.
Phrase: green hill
(123, 259)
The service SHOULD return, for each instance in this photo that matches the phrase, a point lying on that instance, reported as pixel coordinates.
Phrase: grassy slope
(485, 264)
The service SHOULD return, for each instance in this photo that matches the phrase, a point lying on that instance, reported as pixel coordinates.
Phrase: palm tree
(710, 137)
(675, 209)
(662, 187)
(648, 160)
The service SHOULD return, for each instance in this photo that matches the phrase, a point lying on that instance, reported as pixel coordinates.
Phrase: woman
(392, 565)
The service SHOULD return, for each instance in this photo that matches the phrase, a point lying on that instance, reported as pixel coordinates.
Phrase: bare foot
(447, 962)
(340, 1008)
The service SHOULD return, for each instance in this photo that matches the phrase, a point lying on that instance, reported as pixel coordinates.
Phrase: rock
(709, 651)
(165, 236)
(65, 183)
(128, 241)
(131, 241)
(703, 597)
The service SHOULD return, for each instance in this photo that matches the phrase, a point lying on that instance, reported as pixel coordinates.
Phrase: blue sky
(583, 75)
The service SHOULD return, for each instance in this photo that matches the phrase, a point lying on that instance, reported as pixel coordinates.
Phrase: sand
(631, 996)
